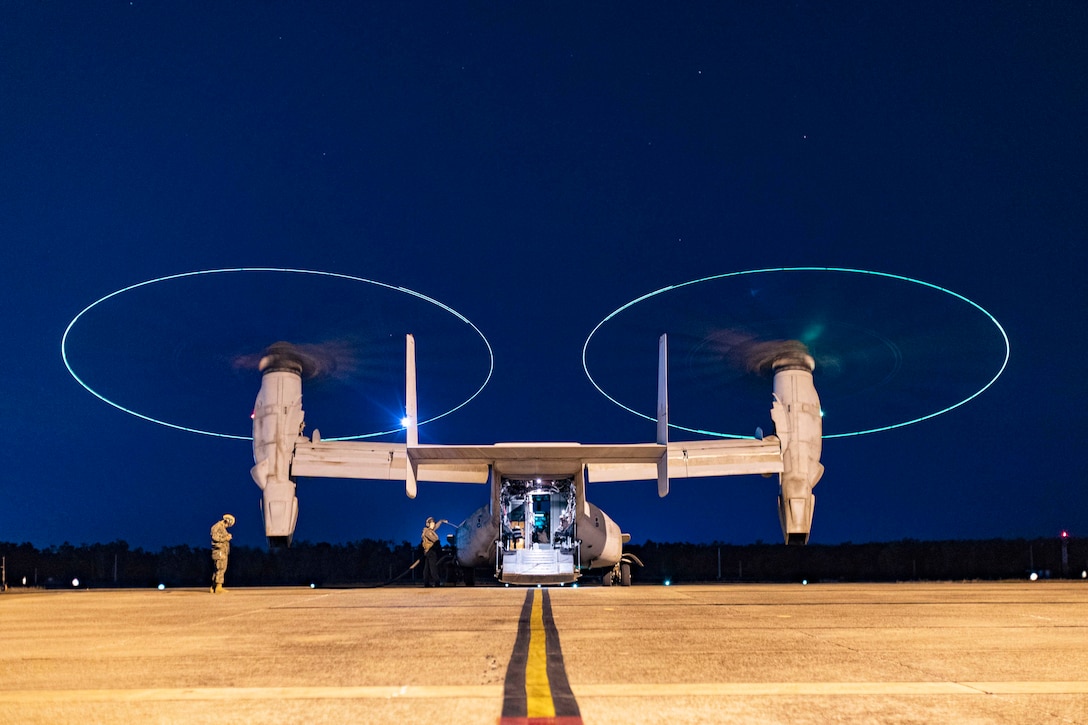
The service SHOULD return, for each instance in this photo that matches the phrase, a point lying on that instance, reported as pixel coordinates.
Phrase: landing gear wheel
(625, 574)
(606, 580)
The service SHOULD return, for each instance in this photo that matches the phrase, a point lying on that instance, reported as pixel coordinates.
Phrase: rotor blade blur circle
(889, 350)
(183, 350)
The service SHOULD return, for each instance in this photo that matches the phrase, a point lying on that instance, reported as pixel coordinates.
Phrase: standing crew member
(431, 549)
(221, 550)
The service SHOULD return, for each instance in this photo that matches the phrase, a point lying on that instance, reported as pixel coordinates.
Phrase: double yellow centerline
(536, 691)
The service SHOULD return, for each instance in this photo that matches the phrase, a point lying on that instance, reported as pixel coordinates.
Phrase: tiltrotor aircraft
(539, 527)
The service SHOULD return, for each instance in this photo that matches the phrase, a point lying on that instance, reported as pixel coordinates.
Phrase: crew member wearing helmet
(220, 550)
(431, 549)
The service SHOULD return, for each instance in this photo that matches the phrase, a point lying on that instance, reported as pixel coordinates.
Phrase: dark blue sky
(536, 166)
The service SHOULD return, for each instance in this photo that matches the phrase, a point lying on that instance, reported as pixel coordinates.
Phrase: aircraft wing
(462, 464)
(535, 459)
(471, 463)
(694, 459)
(383, 462)
(349, 459)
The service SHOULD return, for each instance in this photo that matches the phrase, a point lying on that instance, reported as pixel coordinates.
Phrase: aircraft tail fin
(411, 413)
(663, 415)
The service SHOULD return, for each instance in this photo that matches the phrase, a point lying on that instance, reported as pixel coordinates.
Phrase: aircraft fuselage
(539, 527)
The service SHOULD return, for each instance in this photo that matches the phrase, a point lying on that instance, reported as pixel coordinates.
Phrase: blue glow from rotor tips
(336, 275)
(632, 303)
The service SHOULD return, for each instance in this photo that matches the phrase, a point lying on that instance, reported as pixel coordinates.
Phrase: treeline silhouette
(904, 560)
(368, 562)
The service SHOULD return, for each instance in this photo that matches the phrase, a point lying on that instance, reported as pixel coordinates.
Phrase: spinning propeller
(887, 350)
(183, 350)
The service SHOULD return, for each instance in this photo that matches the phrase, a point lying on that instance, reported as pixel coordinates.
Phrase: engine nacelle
(475, 539)
(799, 427)
(277, 425)
(602, 540)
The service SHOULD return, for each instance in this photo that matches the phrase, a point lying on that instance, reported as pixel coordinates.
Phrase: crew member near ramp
(431, 550)
(221, 550)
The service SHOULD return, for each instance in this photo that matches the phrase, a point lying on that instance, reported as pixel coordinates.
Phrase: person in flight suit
(221, 550)
(431, 549)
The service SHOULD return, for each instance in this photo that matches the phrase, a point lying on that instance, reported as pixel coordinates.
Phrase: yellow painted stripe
(490, 692)
(538, 691)
(741, 689)
(1030, 688)
(202, 694)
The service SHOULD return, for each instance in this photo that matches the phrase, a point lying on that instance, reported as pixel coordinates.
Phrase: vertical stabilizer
(411, 413)
(663, 415)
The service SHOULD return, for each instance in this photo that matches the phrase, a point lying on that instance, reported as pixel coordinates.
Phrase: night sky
(534, 167)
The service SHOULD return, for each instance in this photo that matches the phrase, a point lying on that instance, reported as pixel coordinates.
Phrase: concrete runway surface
(1006, 652)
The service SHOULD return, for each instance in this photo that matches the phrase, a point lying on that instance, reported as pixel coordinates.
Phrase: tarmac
(972, 652)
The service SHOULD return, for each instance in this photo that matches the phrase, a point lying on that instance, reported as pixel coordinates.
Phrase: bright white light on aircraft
(1083, 575)
(406, 421)
(75, 582)
(161, 587)
(668, 582)
(804, 582)
(313, 586)
(1033, 576)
